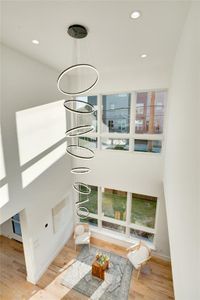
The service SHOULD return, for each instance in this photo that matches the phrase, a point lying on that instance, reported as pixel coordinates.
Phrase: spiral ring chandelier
(83, 153)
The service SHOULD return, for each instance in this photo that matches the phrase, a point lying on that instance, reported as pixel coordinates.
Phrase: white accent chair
(82, 234)
(139, 255)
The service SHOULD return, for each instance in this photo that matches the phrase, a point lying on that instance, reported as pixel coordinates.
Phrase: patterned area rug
(117, 277)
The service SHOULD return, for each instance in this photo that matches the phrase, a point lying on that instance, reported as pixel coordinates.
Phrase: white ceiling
(114, 42)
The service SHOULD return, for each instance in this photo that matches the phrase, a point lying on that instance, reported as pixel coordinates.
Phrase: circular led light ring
(78, 190)
(85, 129)
(80, 170)
(76, 67)
(79, 111)
(82, 209)
(79, 156)
(81, 202)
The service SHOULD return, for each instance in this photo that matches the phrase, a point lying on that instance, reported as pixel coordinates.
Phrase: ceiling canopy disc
(77, 31)
(82, 188)
(79, 106)
(80, 170)
(77, 79)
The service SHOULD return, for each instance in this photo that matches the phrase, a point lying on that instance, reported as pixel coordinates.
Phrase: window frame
(126, 223)
(132, 135)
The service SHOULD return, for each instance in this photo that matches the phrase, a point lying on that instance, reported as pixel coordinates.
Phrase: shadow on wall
(40, 143)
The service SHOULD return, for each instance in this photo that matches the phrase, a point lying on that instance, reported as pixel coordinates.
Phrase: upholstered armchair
(139, 255)
(82, 234)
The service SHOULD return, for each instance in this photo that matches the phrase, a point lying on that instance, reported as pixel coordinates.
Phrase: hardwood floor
(155, 282)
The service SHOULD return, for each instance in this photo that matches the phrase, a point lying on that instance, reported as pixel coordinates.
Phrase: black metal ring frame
(81, 202)
(78, 111)
(79, 156)
(81, 215)
(76, 67)
(78, 31)
(80, 170)
(88, 128)
(83, 185)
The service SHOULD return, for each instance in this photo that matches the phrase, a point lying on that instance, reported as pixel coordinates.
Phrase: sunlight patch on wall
(4, 198)
(2, 166)
(43, 164)
(38, 128)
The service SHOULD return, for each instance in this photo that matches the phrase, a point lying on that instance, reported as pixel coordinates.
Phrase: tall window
(116, 113)
(88, 142)
(114, 204)
(90, 221)
(126, 122)
(92, 204)
(114, 144)
(147, 146)
(16, 225)
(150, 112)
(90, 119)
(113, 227)
(143, 210)
(112, 212)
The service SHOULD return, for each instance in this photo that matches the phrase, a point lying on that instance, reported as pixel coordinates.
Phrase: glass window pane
(90, 221)
(141, 235)
(115, 144)
(143, 211)
(116, 113)
(147, 146)
(16, 217)
(88, 142)
(16, 228)
(92, 204)
(114, 227)
(114, 204)
(150, 112)
(87, 119)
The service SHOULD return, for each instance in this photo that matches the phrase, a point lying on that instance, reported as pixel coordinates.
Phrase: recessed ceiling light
(143, 55)
(35, 42)
(135, 14)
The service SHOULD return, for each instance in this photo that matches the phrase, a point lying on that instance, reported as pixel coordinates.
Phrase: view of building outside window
(143, 210)
(147, 146)
(116, 113)
(86, 119)
(150, 112)
(115, 144)
(114, 204)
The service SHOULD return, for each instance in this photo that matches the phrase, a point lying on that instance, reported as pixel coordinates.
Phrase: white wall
(6, 229)
(182, 177)
(26, 86)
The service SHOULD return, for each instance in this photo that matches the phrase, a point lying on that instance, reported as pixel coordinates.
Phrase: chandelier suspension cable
(68, 83)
